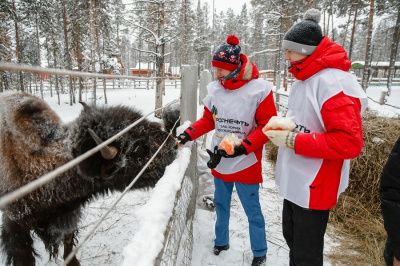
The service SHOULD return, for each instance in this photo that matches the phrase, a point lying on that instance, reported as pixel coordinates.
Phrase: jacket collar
(328, 54)
(243, 74)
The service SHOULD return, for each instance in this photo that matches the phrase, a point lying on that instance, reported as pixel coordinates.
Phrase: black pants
(304, 230)
(388, 254)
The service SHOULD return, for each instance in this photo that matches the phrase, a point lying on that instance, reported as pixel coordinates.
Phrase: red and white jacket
(242, 105)
(325, 103)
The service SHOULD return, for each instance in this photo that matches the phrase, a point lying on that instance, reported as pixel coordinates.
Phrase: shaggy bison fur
(33, 142)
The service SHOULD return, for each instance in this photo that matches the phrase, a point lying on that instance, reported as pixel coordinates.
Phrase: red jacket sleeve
(343, 138)
(201, 126)
(256, 139)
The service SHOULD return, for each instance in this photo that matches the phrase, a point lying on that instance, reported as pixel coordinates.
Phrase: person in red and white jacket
(239, 103)
(325, 105)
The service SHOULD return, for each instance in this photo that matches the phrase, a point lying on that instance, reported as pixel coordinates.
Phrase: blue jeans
(248, 195)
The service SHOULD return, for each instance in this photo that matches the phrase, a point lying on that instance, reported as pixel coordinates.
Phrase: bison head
(116, 165)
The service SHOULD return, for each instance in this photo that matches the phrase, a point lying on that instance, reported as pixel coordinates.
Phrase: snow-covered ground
(106, 246)
(239, 252)
(374, 92)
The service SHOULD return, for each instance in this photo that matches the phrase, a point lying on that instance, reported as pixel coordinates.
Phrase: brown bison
(33, 142)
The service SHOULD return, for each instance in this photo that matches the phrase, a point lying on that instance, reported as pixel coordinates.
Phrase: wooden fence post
(178, 245)
(189, 94)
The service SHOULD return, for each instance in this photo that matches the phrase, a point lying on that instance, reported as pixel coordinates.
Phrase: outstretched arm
(201, 126)
(343, 138)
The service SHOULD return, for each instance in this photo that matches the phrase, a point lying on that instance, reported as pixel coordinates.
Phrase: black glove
(215, 158)
(239, 150)
(183, 138)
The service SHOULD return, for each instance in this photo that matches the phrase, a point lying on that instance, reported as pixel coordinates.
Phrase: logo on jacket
(232, 121)
(300, 128)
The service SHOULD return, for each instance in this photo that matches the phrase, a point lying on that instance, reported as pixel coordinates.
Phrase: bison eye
(107, 171)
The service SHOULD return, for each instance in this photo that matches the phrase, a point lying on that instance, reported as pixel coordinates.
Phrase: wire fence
(384, 103)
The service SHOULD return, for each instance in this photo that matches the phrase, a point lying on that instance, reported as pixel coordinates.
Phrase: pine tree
(201, 43)
(5, 48)
(394, 48)
(243, 29)
(368, 50)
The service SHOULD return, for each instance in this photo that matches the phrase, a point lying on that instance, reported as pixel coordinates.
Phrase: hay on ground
(357, 215)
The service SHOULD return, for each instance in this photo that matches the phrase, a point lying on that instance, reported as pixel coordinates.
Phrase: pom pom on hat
(232, 40)
(313, 14)
(227, 55)
(304, 36)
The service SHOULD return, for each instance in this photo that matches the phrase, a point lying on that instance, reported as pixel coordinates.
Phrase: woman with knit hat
(321, 131)
(238, 104)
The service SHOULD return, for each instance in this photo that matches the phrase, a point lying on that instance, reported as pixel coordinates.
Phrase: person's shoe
(259, 261)
(218, 249)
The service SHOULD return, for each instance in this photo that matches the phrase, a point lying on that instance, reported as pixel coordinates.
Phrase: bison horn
(86, 107)
(108, 152)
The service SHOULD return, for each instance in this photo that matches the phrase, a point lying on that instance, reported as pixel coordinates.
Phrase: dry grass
(357, 215)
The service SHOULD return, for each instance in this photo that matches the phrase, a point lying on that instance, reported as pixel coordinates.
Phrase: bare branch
(274, 34)
(143, 39)
(171, 38)
(263, 52)
(144, 51)
(144, 1)
(157, 40)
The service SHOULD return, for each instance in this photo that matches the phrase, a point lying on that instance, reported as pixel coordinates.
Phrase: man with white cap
(322, 130)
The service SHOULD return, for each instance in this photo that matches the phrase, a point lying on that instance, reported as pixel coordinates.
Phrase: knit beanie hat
(304, 36)
(227, 55)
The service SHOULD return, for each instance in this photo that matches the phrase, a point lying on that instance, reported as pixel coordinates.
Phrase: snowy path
(240, 251)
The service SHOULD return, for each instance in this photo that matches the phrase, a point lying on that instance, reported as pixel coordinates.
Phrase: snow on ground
(149, 239)
(106, 246)
(374, 92)
(239, 252)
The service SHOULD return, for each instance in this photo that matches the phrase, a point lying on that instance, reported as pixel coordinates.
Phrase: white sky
(223, 5)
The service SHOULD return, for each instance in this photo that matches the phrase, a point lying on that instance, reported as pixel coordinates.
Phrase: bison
(33, 142)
